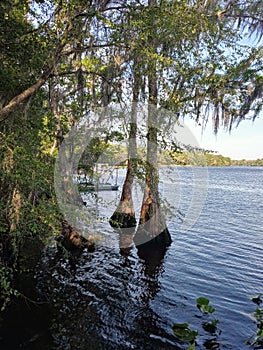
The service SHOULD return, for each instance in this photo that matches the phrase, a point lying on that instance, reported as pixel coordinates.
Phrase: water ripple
(111, 301)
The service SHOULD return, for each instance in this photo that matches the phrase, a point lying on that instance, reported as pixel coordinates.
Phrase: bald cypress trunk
(124, 215)
(152, 225)
(152, 221)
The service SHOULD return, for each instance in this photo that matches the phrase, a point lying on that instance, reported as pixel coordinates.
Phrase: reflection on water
(129, 298)
(104, 300)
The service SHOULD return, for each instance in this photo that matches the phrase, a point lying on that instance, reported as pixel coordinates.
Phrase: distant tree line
(114, 154)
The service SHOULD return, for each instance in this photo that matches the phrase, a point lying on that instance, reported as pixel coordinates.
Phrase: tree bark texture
(124, 215)
(152, 221)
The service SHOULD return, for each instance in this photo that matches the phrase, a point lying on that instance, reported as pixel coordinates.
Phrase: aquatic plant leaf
(182, 331)
(203, 305)
(191, 347)
(256, 298)
(211, 326)
(258, 313)
(207, 309)
(260, 334)
(258, 339)
(211, 344)
(202, 301)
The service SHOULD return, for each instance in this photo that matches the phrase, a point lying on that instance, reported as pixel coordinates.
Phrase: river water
(121, 299)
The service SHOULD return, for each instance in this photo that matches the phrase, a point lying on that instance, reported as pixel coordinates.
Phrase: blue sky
(244, 142)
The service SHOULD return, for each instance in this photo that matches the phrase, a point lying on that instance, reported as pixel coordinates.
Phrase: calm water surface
(117, 300)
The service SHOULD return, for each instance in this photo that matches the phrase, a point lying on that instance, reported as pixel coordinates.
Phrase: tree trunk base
(73, 241)
(122, 220)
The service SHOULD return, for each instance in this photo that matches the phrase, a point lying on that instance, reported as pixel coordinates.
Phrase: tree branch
(55, 56)
(10, 107)
(87, 47)
(226, 9)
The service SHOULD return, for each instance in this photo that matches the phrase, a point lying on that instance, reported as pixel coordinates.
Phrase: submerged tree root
(72, 240)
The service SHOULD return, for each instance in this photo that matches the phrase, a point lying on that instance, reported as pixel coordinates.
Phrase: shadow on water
(152, 253)
(99, 300)
(25, 324)
(151, 262)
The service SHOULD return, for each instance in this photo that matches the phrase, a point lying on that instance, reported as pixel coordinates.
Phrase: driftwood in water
(72, 240)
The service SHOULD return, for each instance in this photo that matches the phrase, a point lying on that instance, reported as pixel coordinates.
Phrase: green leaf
(207, 309)
(191, 347)
(182, 331)
(211, 326)
(258, 313)
(203, 305)
(202, 301)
